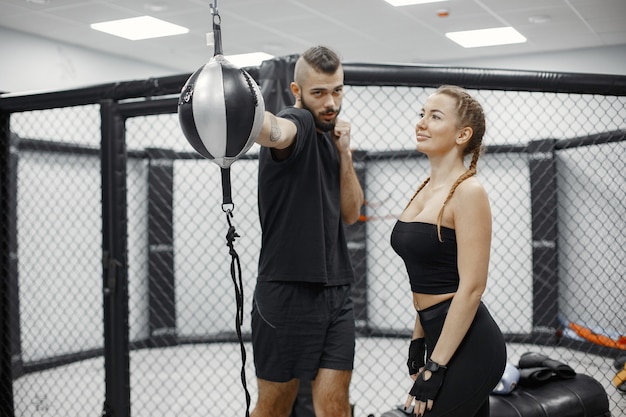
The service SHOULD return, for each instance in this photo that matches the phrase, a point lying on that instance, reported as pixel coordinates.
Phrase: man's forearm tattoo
(275, 132)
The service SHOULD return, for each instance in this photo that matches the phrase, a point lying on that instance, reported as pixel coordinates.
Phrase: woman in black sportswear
(444, 237)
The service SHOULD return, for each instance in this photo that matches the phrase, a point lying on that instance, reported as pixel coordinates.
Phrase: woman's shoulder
(471, 193)
(471, 187)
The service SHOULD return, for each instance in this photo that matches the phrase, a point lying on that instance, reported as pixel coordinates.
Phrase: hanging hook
(217, 30)
(217, 19)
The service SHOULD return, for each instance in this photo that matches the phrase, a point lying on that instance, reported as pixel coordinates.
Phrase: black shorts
(298, 328)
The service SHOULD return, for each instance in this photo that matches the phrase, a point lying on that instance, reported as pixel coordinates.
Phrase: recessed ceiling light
(486, 37)
(38, 1)
(155, 6)
(136, 28)
(538, 19)
(398, 3)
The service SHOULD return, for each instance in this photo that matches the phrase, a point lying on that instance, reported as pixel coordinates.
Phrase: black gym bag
(581, 396)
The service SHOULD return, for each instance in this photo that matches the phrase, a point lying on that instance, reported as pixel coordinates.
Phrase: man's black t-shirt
(303, 238)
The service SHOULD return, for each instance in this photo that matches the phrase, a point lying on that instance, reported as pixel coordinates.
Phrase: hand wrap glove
(537, 360)
(427, 390)
(417, 352)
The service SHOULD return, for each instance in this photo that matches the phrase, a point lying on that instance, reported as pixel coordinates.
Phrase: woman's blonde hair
(470, 114)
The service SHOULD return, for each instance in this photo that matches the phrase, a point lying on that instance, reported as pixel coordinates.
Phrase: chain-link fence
(117, 297)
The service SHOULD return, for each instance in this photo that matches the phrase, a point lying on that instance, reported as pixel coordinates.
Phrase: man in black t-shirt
(302, 313)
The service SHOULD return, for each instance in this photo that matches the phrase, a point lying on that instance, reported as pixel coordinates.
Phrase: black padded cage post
(161, 281)
(115, 262)
(543, 190)
(6, 385)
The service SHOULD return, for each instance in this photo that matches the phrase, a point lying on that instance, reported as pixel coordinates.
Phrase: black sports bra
(431, 264)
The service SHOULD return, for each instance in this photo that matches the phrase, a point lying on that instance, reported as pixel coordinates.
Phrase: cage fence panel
(553, 168)
(59, 262)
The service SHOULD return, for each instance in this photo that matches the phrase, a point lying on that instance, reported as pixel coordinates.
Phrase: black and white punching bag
(221, 111)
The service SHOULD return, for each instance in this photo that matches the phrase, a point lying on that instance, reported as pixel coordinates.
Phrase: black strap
(235, 272)
(227, 200)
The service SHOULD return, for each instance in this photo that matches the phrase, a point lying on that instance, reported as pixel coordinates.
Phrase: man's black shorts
(298, 328)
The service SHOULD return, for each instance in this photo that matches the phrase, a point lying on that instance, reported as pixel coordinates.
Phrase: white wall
(607, 60)
(37, 63)
(31, 63)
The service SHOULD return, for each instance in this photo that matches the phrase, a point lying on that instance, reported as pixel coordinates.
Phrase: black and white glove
(417, 352)
(424, 390)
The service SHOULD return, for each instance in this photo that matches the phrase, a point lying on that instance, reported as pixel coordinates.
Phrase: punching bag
(221, 111)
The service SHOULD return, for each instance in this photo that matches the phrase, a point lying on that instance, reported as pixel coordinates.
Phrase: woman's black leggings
(474, 370)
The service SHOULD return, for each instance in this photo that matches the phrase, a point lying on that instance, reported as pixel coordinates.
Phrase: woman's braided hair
(470, 113)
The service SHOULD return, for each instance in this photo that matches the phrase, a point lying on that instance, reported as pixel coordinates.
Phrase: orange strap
(620, 378)
(599, 339)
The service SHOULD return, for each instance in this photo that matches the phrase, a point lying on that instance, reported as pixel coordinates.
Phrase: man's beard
(320, 124)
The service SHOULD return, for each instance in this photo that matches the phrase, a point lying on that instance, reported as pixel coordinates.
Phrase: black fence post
(356, 236)
(115, 262)
(14, 294)
(543, 188)
(161, 290)
(6, 379)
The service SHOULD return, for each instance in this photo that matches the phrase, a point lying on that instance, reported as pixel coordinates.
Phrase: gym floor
(167, 382)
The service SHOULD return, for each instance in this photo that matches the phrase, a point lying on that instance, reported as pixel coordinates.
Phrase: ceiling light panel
(398, 3)
(486, 37)
(137, 28)
(248, 60)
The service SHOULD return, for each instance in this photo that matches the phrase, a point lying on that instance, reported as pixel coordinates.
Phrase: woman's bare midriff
(423, 301)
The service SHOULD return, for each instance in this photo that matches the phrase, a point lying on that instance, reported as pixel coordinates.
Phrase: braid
(418, 190)
(469, 173)
(470, 114)
(475, 156)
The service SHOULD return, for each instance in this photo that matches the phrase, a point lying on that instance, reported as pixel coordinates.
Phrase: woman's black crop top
(431, 264)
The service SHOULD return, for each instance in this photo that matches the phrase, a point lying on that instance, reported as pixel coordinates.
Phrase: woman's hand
(425, 388)
(417, 354)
